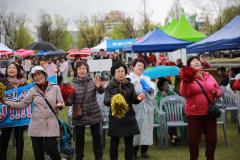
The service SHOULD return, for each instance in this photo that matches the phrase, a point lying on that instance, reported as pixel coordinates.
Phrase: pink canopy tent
(5, 53)
(85, 52)
(24, 53)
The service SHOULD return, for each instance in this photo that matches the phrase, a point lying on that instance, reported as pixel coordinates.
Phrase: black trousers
(144, 149)
(96, 139)
(172, 131)
(114, 142)
(45, 144)
(6, 134)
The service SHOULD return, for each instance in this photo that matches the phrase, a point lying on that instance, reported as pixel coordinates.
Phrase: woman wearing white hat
(43, 128)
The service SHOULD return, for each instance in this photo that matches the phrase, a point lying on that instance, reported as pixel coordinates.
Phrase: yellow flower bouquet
(2, 89)
(119, 106)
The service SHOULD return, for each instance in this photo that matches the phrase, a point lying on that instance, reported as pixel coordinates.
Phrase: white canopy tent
(102, 45)
(3, 47)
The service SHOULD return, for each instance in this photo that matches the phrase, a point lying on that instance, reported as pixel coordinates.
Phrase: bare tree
(124, 30)
(21, 36)
(52, 30)
(45, 27)
(58, 31)
(145, 25)
(214, 9)
(176, 10)
(13, 30)
(91, 31)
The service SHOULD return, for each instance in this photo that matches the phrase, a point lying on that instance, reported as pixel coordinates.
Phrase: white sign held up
(100, 65)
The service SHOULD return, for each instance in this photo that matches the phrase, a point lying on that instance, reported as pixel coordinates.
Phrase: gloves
(145, 86)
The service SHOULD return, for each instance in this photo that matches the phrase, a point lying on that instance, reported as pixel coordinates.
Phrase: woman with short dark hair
(196, 108)
(125, 127)
(85, 97)
(144, 110)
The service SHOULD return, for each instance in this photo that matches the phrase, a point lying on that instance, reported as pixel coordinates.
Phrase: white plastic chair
(230, 105)
(171, 110)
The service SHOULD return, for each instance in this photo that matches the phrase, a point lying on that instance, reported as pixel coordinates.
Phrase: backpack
(65, 141)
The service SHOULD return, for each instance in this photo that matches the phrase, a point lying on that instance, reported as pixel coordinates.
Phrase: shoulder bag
(77, 107)
(213, 110)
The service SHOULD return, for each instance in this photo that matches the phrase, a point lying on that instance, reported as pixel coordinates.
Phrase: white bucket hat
(35, 69)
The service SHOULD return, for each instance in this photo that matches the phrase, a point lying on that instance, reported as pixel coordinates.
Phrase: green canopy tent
(170, 26)
(183, 30)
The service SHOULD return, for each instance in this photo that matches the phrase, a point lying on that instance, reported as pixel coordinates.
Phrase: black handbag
(213, 110)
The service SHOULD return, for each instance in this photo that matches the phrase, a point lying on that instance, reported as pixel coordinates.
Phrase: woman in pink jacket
(197, 109)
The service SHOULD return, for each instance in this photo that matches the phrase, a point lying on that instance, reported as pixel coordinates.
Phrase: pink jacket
(196, 102)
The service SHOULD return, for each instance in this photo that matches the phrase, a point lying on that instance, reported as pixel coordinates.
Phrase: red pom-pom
(236, 85)
(187, 74)
(67, 90)
(205, 65)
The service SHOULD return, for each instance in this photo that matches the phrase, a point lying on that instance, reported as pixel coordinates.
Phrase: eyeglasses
(120, 71)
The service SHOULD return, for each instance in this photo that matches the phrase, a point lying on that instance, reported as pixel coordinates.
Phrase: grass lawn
(179, 152)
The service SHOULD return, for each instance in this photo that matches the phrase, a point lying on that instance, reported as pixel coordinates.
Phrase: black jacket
(127, 125)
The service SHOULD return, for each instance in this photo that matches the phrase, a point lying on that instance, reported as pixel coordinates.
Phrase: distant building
(113, 18)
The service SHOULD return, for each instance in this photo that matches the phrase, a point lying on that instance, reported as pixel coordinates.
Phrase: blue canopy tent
(111, 45)
(226, 38)
(128, 49)
(158, 41)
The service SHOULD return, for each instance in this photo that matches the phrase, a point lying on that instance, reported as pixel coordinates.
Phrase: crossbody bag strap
(84, 94)
(50, 106)
(204, 92)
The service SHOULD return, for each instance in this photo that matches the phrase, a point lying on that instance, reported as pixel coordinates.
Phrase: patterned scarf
(120, 84)
(15, 82)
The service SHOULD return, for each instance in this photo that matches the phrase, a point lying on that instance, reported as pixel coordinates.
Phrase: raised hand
(140, 97)
(98, 82)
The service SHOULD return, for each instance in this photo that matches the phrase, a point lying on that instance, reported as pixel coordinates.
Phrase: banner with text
(18, 117)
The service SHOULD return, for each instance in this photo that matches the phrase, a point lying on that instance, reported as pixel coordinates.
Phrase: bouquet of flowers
(67, 90)
(236, 85)
(187, 74)
(2, 89)
(119, 106)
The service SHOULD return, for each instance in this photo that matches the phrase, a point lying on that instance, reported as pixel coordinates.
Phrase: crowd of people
(140, 93)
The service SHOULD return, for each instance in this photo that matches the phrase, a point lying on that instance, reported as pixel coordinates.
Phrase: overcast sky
(72, 9)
